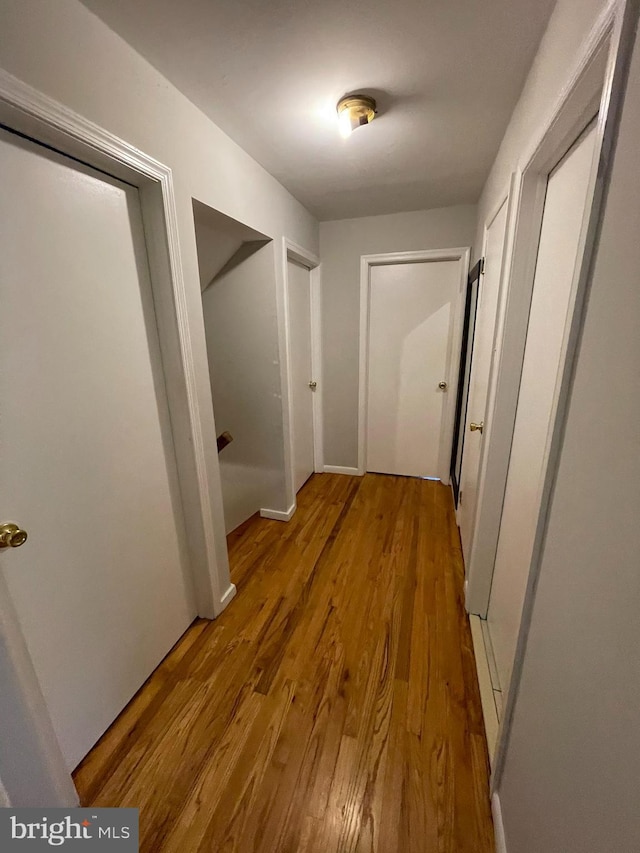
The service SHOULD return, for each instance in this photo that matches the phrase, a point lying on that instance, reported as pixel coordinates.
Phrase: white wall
(218, 238)
(569, 25)
(572, 767)
(342, 242)
(242, 343)
(66, 52)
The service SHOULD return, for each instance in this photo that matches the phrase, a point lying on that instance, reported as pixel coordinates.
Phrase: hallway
(332, 707)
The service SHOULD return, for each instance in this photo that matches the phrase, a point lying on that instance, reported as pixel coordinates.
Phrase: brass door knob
(313, 385)
(476, 427)
(12, 536)
(443, 385)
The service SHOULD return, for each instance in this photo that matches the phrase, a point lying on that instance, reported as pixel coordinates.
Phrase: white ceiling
(446, 73)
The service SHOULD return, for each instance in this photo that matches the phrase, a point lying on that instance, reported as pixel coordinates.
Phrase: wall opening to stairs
(238, 284)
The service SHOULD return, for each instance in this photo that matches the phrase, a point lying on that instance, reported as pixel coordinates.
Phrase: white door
(99, 588)
(483, 352)
(299, 279)
(412, 310)
(559, 237)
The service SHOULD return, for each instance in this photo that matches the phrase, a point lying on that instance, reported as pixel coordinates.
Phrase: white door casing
(299, 293)
(484, 351)
(584, 93)
(410, 327)
(567, 197)
(300, 255)
(100, 588)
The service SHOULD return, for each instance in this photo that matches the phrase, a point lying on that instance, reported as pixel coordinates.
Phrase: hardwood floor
(332, 707)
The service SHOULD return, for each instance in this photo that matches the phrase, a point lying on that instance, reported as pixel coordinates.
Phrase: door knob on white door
(443, 385)
(477, 427)
(12, 536)
(313, 385)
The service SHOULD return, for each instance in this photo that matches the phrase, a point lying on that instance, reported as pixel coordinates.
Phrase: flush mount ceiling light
(354, 111)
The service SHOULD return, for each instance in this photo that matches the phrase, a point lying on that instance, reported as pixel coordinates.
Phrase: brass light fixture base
(360, 109)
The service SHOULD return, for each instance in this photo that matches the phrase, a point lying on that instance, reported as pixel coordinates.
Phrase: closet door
(483, 351)
(87, 458)
(411, 325)
(564, 209)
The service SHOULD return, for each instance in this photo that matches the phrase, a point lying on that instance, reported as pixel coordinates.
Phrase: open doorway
(237, 279)
(464, 375)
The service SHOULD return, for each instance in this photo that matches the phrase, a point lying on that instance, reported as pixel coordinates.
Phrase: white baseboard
(489, 712)
(340, 469)
(498, 826)
(228, 596)
(278, 515)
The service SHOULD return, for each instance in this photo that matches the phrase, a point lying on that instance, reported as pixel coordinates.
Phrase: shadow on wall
(237, 279)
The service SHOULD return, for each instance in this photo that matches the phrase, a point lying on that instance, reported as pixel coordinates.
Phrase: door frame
(584, 95)
(34, 115)
(464, 374)
(459, 254)
(292, 251)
